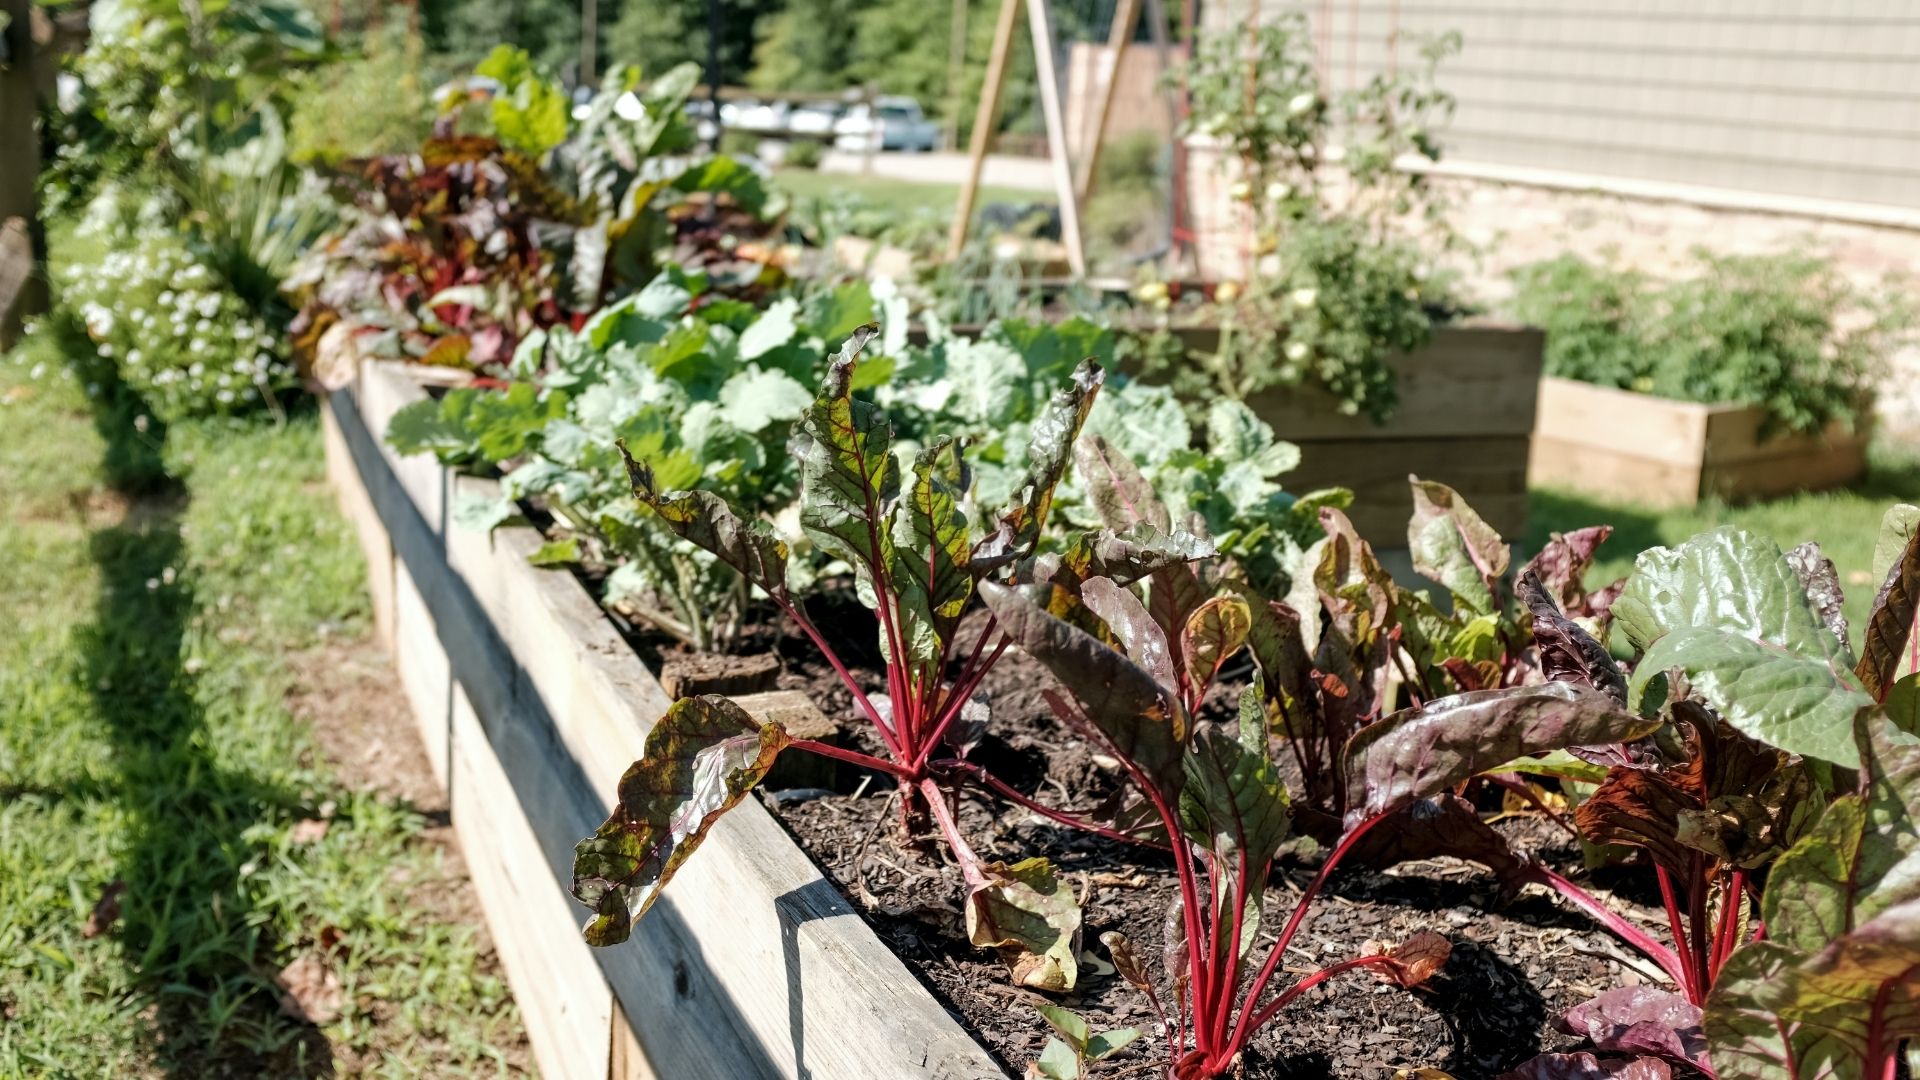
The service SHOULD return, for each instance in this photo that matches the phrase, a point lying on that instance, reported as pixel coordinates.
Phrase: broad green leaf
(481, 514)
(1420, 752)
(1728, 579)
(1558, 764)
(529, 113)
(1802, 703)
(556, 553)
(1119, 697)
(930, 551)
(1237, 435)
(842, 312)
(1454, 546)
(1858, 998)
(754, 399)
(774, 328)
(701, 759)
(1071, 1026)
(1127, 620)
(1890, 623)
(724, 175)
(1049, 450)
(1057, 1061)
(705, 519)
(1108, 1043)
(503, 425)
(1747, 1038)
(1031, 918)
(437, 427)
(847, 469)
(1119, 493)
(1903, 704)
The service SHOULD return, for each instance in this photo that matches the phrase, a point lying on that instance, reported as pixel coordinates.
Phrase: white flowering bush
(178, 335)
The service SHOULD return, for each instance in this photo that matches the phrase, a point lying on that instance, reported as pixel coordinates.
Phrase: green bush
(804, 154)
(1786, 332)
(365, 106)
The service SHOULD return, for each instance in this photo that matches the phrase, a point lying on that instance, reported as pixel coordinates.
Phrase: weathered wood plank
(426, 677)
(567, 1007)
(753, 965)
(1490, 473)
(1609, 474)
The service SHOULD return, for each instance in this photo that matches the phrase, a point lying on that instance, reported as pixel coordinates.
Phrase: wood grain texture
(1659, 453)
(752, 965)
(368, 532)
(426, 677)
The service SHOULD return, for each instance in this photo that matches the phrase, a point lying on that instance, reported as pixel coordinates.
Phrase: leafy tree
(657, 34)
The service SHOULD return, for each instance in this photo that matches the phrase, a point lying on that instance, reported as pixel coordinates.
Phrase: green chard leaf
(930, 553)
(706, 520)
(848, 472)
(1120, 494)
(1234, 804)
(1728, 609)
(1214, 632)
(1454, 546)
(701, 759)
(1049, 451)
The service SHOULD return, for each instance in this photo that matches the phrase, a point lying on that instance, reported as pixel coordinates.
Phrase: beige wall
(1138, 103)
(1808, 98)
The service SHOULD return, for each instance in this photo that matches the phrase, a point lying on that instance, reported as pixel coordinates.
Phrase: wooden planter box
(1466, 419)
(531, 706)
(1649, 451)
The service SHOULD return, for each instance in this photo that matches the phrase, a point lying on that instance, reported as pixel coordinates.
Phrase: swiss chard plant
(462, 250)
(919, 553)
(1216, 794)
(1783, 759)
(704, 389)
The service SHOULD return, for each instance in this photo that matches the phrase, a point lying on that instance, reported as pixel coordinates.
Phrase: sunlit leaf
(1031, 918)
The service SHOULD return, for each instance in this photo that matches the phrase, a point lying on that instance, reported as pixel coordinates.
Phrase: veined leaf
(1120, 698)
(1213, 633)
(1890, 622)
(1126, 617)
(1454, 546)
(1132, 555)
(1420, 752)
(1567, 652)
(706, 520)
(1234, 803)
(930, 553)
(1031, 918)
(1729, 579)
(848, 472)
(701, 759)
(1119, 493)
(1049, 450)
(1804, 703)
(1562, 563)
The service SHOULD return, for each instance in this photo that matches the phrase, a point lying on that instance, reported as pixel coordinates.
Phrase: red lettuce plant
(1217, 796)
(917, 563)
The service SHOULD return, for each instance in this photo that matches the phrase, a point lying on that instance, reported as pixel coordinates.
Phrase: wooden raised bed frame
(1650, 451)
(531, 706)
(1466, 419)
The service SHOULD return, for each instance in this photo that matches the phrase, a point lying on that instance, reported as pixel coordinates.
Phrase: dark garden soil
(1517, 962)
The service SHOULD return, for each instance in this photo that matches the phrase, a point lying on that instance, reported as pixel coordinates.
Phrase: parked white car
(813, 119)
(891, 123)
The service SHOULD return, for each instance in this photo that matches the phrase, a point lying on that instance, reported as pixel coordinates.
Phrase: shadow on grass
(189, 927)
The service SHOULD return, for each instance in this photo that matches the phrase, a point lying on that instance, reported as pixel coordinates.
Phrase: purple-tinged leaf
(1413, 962)
(1822, 584)
(1127, 619)
(1126, 703)
(1026, 914)
(1444, 824)
(1234, 804)
(1585, 1066)
(705, 520)
(701, 759)
(929, 570)
(1890, 621)
(1420, 752)
(1567, 652)
(1214, 632)
(1126, 961)
(1454, 546)
(848, 474)
(1642, 1020)
(1562, 563)
(1120, 494)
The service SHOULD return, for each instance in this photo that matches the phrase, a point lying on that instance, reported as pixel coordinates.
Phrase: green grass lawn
(894, 196)
(1846, 523)
(162, 590)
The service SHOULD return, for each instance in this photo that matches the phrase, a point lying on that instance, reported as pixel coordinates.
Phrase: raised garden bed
(531, 706)
(1466, 419)
(1653, 451)
(532, 702)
